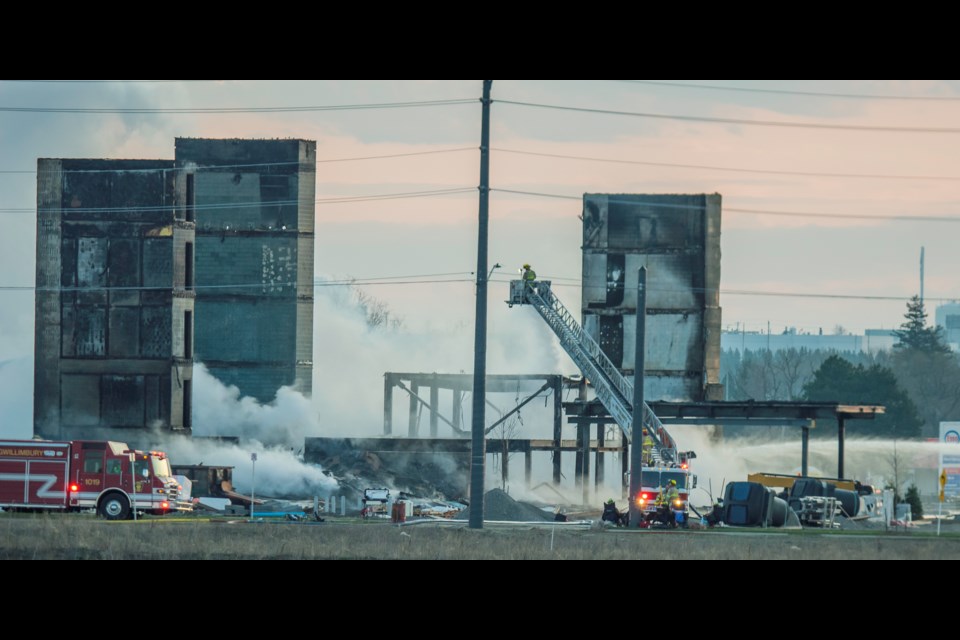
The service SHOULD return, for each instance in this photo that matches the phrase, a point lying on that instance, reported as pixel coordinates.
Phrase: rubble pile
(439, 477)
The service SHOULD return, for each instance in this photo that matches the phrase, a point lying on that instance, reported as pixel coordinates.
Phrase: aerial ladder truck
(614, 391)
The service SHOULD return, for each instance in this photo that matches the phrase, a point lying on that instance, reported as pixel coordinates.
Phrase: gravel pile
(497, 505)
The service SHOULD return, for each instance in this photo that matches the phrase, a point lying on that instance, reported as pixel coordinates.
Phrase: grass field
(84, 537)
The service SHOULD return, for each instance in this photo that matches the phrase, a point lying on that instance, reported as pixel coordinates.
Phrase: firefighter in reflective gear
(647, 445)
(672, 493)
(662, 508)
(668, 494)
(529, 276)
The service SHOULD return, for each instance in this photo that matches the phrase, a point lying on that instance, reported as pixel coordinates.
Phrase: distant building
(948, 317)
(872, 341)
(114, 305)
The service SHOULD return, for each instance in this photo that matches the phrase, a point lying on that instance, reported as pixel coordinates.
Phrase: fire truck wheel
(114, 506)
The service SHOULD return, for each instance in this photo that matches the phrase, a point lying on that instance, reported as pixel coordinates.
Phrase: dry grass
(81, 537)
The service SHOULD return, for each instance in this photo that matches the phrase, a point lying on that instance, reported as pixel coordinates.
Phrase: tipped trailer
(110, 477)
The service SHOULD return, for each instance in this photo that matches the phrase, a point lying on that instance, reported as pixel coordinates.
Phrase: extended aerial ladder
(610, 386)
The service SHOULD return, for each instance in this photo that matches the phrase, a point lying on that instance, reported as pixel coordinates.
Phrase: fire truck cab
(654, 480)
(85, 474)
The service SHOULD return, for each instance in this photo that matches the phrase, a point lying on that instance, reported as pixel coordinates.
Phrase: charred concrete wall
(253, 202)
(113, 312)
(677, 238)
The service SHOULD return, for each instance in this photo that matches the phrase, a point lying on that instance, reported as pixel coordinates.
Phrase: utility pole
(636, 431)
(477, 445)
(921, 275)
(253, 477)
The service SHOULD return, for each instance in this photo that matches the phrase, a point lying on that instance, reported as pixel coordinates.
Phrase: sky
(829, 190)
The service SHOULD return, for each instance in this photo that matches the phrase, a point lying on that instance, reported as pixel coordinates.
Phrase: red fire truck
(86, 474)
(654, 480)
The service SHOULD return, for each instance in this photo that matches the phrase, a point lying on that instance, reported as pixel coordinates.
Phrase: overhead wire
(742, 121)
(789, 92)
(228, 110)
(802, 214)
(220, 167)
(457, 277)
(814, 174)
(243, 205)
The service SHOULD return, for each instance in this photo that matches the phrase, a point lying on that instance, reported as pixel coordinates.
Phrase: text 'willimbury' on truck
(86, 474)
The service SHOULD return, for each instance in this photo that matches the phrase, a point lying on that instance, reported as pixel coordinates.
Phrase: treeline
(918, 381)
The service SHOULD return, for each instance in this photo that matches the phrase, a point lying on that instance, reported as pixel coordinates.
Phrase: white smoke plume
(16, 398)
(278, 472)
(275, 431)
(219, 410)
(350, 359)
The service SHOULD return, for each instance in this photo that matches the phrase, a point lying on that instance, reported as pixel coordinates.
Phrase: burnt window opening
(187, 334)
(187, 403)
(188, 267)
(190, 211)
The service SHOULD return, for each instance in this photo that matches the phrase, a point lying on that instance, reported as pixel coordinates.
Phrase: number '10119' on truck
(86, 474)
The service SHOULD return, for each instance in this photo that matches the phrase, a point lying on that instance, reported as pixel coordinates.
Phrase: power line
(202, 110)
(715, 168)
(396, 155)
(390, 280)
(215, 167)
(448, 277)
(463, 190)
(422, 275)
(397, 196)
(815, 174)
(822, 94)
(125, 81)
(244, 205)
(827, 296)
(386, 280)
(855, 216)
(745, 292)
(800, 214)
(763, 123)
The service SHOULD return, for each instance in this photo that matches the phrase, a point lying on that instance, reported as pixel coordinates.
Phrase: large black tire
(114, 506)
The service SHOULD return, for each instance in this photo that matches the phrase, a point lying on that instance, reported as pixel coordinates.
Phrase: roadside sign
(950, 458)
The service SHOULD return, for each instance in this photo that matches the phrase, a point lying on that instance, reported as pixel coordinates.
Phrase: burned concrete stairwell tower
(114, 300)
(253, 203)
(677, 238)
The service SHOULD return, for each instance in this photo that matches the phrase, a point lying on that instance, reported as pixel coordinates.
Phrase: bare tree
(377, 313)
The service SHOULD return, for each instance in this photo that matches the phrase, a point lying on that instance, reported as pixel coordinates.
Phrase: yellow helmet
(526, 266)
(673, 483)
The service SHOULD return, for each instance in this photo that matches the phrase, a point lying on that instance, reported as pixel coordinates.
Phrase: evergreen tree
(927, 369)
(837, 380)
(915, 334)
(913, 499)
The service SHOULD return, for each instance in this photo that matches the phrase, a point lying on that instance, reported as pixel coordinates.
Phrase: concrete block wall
(254, 229)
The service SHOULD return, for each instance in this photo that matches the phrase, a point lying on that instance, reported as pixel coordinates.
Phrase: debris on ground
(437, 508)
(210, 503)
